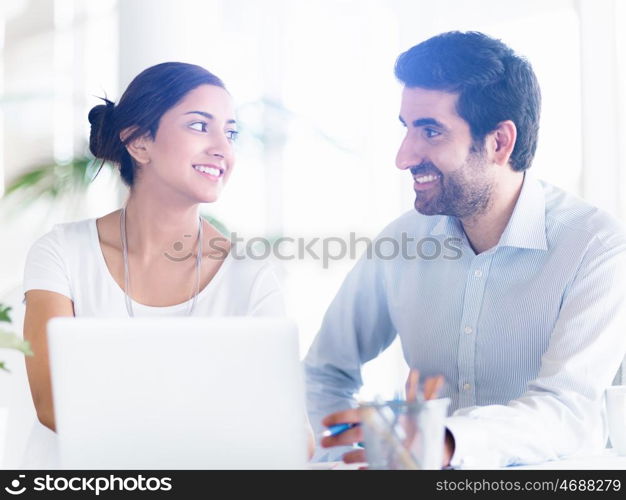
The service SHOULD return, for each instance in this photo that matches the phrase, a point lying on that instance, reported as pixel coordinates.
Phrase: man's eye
(199, 126)
(232, 134)
(430, 133)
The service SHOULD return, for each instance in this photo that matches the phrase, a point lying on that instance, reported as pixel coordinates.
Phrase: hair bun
(101, 113)
(103, 140)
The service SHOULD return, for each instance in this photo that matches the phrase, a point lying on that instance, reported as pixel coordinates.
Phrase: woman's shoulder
(66, 234)
(255, 281)
(51, 260)
(245, 267)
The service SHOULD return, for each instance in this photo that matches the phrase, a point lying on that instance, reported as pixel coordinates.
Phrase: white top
(69, 260)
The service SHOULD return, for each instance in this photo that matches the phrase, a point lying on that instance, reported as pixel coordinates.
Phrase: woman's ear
(138, 148)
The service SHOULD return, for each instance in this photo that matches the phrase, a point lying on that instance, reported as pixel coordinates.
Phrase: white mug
(616, 416)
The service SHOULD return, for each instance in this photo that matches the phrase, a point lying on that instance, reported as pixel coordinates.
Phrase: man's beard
(464, 193)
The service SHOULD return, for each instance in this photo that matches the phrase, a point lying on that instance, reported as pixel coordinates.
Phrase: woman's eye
(232, 134)
(430, 133)
(199, 126)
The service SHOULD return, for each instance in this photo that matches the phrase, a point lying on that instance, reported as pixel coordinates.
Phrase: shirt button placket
(472, 304)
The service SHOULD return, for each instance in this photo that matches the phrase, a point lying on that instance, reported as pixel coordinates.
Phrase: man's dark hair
(493, 83)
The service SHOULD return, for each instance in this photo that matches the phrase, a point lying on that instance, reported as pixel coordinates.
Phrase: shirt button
(468, 329)
(478, 273)
(467, 387)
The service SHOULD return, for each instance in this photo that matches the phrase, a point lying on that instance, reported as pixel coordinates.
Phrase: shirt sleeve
(46, 267)
(266, 298)
(356, 328)
(561, 412)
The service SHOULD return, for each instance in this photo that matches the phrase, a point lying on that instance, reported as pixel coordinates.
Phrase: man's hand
(355, 434)
(347, 438)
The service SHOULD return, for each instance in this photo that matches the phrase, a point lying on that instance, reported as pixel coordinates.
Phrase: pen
(337, 429)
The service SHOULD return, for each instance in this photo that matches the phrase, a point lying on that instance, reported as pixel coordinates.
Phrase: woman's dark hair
(493, 83)
(152, 92)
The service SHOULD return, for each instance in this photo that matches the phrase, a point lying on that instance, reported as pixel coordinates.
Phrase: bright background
(318, 106)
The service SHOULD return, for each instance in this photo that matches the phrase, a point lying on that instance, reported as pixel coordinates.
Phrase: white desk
(41, 453)
(603, 460)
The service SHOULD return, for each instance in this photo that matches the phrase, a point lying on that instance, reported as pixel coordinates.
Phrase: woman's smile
(211, 172)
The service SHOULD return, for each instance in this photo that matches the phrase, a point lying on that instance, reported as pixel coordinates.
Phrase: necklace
(129, 304)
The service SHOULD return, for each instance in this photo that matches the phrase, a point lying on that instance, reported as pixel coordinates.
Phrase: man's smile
(424, 182)
(425, 177)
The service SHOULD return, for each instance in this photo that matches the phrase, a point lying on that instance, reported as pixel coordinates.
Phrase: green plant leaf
(54, 180)
(4, 314)
(27, 180)
(9, 340)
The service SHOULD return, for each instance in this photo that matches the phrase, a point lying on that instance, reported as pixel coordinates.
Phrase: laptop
(177, 393)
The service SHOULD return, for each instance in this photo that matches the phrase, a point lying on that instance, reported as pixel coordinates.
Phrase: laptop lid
(152, 393)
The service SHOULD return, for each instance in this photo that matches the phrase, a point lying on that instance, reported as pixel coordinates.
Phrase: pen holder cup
(404, 435)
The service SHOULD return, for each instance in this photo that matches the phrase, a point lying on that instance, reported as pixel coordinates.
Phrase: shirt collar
(526, 227)
(448, 226)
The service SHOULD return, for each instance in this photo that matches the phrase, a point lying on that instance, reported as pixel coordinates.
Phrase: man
(525, 321)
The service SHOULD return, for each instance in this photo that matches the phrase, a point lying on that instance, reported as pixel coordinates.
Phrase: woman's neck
(155, 224)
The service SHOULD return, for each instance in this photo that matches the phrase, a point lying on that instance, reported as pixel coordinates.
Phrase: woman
(171, 134)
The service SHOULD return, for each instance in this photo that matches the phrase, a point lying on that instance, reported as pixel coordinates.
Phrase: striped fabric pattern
(527, 334)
